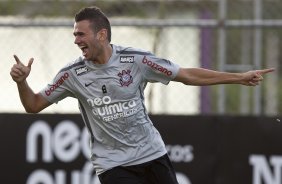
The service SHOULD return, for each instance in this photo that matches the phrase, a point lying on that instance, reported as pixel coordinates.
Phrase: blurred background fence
(225, 35)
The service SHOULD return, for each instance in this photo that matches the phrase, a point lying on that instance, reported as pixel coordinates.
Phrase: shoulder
(76, 64)
(131, 54)
(131, 51)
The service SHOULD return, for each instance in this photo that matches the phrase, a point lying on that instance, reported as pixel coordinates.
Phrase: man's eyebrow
(78, 33)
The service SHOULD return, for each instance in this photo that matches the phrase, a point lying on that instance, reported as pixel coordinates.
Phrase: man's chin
(85, 56)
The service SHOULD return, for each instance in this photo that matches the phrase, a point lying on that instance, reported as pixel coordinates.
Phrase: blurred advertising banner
(53, 149)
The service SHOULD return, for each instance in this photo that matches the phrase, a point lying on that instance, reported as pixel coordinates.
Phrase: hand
(19, 71)
(253, 78)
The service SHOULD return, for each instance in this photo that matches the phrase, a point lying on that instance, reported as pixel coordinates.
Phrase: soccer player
(108, 82)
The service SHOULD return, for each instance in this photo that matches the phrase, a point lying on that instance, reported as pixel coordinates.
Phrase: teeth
(82, 47)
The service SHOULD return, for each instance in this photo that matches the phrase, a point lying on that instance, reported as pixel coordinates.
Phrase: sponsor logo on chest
(81, 70)
(126, 59)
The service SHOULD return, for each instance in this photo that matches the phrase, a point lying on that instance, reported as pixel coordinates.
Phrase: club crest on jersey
(125, 78)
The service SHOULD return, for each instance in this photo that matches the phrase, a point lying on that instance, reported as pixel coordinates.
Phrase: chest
(120, 83)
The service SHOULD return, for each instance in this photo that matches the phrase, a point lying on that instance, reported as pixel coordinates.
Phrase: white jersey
(111, 101)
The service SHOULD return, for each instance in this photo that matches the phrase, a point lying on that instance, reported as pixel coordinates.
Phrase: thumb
(256, 75)
(30, 62)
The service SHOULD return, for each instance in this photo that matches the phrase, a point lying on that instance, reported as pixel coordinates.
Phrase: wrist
(21, 83)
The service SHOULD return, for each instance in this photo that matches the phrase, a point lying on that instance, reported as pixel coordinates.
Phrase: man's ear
(102, 35)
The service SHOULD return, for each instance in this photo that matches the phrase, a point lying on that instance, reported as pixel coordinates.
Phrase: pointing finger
(266, 71)
(17, 59)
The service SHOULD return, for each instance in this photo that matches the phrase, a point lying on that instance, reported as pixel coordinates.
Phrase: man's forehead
(83, 27)
(82, 23)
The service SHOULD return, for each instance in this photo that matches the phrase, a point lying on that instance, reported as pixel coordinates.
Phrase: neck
(104, 57)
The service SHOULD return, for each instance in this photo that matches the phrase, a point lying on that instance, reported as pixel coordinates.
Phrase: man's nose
(76, 40)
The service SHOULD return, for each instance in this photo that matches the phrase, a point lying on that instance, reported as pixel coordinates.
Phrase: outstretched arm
(32, 102)
(204, 77)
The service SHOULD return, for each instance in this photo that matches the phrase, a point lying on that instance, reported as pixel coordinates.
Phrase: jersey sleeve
(59, 88)
(156, 69)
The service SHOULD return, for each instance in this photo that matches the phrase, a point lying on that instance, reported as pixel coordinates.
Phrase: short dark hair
(96, 17)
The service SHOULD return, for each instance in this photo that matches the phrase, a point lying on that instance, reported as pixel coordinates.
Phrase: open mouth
(83, 49)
